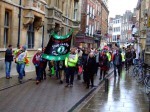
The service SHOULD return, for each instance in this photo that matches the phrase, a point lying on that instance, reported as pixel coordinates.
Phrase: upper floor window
(57, 3)
(75, 10)
(6, 27)
(30, 34)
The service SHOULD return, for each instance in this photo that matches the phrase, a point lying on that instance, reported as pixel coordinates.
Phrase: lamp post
(19, 23)
(42, 38)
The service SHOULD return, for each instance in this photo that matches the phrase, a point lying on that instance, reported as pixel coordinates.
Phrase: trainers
(67, 85)
(71, 85)
(20, 81)
(61, 82)
(37, 82)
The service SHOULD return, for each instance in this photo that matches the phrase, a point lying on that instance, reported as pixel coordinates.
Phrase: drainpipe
(19, 23)
(42, 38)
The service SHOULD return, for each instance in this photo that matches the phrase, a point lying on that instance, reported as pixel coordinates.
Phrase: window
(90, 29)
(6, 28)
(75, 10)
(57, 3)
(93, 13)
(88, 9)
(63, 7)
(30, 34)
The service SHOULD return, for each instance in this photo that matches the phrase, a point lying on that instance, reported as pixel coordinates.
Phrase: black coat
(9, 55)
(120, 59)
(84, 60)
(91, 64)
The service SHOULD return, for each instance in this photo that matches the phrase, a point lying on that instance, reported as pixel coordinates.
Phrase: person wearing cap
(36, 61)
(8, 61)
(21, 61)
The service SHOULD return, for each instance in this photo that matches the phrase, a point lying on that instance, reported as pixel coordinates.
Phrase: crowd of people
(83, 63)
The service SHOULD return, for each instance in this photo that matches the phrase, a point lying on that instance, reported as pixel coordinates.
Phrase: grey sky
(120, 6)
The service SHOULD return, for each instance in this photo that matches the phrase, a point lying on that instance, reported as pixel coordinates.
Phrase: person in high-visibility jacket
(109, 58)
(21, 60)
(123, 57)
(70, 63)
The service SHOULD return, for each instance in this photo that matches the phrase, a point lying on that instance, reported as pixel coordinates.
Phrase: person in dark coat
(128, 57)
(91, 64)
(117, 61)
(84, 62)
(103, 62)
(8, 61)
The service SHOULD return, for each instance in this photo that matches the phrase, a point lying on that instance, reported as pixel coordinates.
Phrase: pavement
(124, 95)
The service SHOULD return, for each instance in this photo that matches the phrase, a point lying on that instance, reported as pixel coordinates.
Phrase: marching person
(84, 62)
(91, 63)
(79, 63)
(103, 61)
(97, 60)
(36, 61)
(21, 61)
(8, 61)
(43, 65)
(70, 63)
(117, 61)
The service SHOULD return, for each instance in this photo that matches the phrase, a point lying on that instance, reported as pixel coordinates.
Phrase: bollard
(106, 85)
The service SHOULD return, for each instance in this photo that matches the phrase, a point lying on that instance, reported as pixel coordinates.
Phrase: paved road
(48, 96)
(125, 95)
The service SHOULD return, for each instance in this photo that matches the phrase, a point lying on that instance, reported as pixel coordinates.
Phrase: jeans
(119, 69)
(7, 68)
(102, 73)
(70, 75)
(38, 73)
(20, 69)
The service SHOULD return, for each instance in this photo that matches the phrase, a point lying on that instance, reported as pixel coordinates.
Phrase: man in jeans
(70, 63)
(20, 60)
(8, 61)
(117, 61)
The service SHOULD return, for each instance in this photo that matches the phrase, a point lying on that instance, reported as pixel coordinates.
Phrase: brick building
(94, 25)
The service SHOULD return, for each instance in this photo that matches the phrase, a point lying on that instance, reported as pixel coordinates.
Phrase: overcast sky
(120, 6)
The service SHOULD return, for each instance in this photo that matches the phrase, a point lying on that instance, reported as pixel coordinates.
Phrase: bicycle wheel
(135, 72)
(147, 82)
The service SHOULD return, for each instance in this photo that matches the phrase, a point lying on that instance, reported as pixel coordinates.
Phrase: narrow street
(48, 96)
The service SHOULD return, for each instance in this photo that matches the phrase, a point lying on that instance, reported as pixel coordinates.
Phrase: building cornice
(105, 7)
(24, 8)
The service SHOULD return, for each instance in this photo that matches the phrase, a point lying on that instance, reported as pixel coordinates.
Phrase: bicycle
(147, 80)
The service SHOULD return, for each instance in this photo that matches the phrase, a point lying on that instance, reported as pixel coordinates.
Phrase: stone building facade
(143, 21)
(29, 22)
(37, 19)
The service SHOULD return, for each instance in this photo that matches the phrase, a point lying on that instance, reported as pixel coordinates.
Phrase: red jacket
(36, 59)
